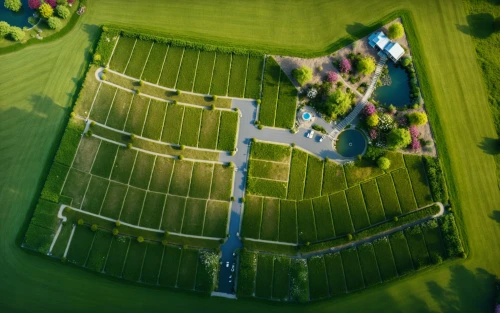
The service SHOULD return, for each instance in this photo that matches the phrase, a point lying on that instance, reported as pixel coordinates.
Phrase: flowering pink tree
(415, 143)
(345, 65)
(373, 134)
(369, 109)
(332, 77)
(52, 3)
(414, 131)
(34, 4)
(71, 1)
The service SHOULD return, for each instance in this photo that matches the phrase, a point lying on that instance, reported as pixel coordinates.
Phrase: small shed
(379, 40)
(394, 51)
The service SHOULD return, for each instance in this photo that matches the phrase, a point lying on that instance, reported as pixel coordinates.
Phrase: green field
(446, 58)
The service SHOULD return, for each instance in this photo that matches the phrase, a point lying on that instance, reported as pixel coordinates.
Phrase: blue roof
(378, 39)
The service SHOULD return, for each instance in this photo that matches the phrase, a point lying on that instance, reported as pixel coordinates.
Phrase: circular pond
(306, 116)
(350, 143)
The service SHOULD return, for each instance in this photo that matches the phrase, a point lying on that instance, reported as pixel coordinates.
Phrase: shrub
(138, 92)
(175, 102)
(384, 163)
(96, 59)
(54, 22)
(452, 241)
(369, 109)
(436, 179)
(140, 83)
(417, 118)
(373, 153)
(13, 5)
(4, 28)
(349, 237)
(16, 33)
(62, 11)
(103, 76)
(214, 97)
(182, 147)
(94, 227)
(52, 3)
(398, 138)
(34, 4)
(302, 74)
(80, 222)
(345, 66)
(372, 120)
(395, 31)
(45, 10)
(180, 157)
(212, 107)
(406, 61)
(88, 133)
(259, 101)
(164, 242)
(332, 77)
(64, 259)
(140, 239)
(129, 145)
(243, 200)
(395, 219)
(117, 223)
(366, 65)
(178, 92)
(115, 231)
(232, 198)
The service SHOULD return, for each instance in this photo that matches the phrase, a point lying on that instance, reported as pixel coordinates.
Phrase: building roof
(378, 39)
(394, 51)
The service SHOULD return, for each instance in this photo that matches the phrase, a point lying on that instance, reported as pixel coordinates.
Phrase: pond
(350, 143)
(19, 19)
(398, 93)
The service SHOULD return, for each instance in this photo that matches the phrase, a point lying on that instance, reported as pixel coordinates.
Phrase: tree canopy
(16, 33)
(62, 11)
(302, 74)
(417, 118)
(338, 103)
(4, 28)
(398, 138)
(396, 31)
(54, 22)
(366, 65)
(13, 5)
(372, 120)
(46, 10)
(384, 163)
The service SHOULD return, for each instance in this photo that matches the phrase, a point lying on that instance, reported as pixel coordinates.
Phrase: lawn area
(446, 58)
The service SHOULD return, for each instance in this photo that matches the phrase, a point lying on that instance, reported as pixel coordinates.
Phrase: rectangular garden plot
(357, 207)
(153, 67)
(314, 177)
(237, 76)
(170, 266)
(373, 202)
(287, 103)
(173, 124)
(191, 127)
(138, 58)
(152, 210)
(281, 279)
(220, 77)
(95, 194)
(402, 256)
(270, 152)
(369, 264)
(181, 178)
(86, 153)
(153, 125)
(103, 162)
(135, 259)
(340, 214)
(205, 279)
(270, 219)
(99, 251)
(117, 254)
(122, 53)
(142, 170)
(264, 279)
(160, 178)
(227, 131)
(119, 110)
(335, 273)
(305, 218)
(318, 283)
(404, 191)
(385, 259)
(246, 273)
(388, 195)
(194, 215)
(252, 216)
(418, 249)
(62, 240)
(187, 71)
(254, 77)
(171, 66)
(323, 218)
(418, 179)
(209, 129)
(75, 186)
(216, 219)
(200, 182)
(333, 178)
(102, 103)
(297, 177)
(80, 245)
(173, 214)
(137, 115)
(124, 163)
(152, 263)
(222, 182)
(270, 86)
(269, 170)
(187, 272)
(265, 187)
(352, 269)
(132, 206)
(433, 240)
(113, 201)
(288, 221)
(206, 61)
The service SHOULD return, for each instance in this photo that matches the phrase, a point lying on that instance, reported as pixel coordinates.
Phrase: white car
(321, 138)
(227, 264)
(232, 268)
(311, 134)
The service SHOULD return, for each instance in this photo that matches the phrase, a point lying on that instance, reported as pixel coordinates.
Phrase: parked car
(227, 264)
(311, 134)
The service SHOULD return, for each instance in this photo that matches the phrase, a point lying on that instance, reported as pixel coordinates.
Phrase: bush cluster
(54, 22)
(302, 74)
(69, 142)
(451, 238)
(106, 45)
(62, 11)
(436, 179)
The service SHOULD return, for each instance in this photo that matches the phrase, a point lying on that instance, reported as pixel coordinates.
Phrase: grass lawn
(446, 55)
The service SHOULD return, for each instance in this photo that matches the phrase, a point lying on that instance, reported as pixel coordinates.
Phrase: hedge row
(69, 142)
(451, 238)
(160, 38)
(436, 178)
(54, 183)
(105, 46)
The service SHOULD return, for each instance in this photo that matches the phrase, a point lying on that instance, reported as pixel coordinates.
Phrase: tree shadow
(490, 145)
(479, 25)
(357, 30)
(465, 292)
(495, 215)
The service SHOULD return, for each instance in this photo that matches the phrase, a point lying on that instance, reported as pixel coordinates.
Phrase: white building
(380, 41)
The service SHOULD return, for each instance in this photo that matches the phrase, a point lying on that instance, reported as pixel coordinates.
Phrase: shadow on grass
(490, 145)
(357, 30)
(478, 25)
(495, 215)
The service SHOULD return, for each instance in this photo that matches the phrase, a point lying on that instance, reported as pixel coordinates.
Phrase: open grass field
(33, 112)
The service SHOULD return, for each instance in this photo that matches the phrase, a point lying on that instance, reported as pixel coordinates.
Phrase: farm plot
(191, 127)
(209, 129)
(85, 154)
(402, 256)
(205, 276)
(138, 58)
(124, 164)
(270, 152)
(171, 66)
(333, 178)
(162, 172)
(281, 278)
(220, 76)
(357, 207)
(187, 71)
(254, 77)
(323, 218)
(318, 282)
(306, 224)
(268, 170)
(119, 109)
(369, 264)
(194, 215)
(173, 214)
(361, 171)
(314, 176)
(335, 273)
(388, 196)
(265, 187)
(187, 272)
(418, 249)
(247, 273)
(252, 216)
(152, 263)
(132, 206)
(352, 269)
(404, 191)
(141, 174)
(297, 178)
(340, 214)
(299, 280)
(116, 256)
(123, 51)
(373, 202)
(103, 162)
(264, 278)
(270, 87)
(154, 65)
(102, 103)
(228, 131)
(237, 77)
(152, 210)
(288, 221)
(222, 182)
(62, 241)
(418, 179)
(202, 173)
(385, 259)
(80, 245)
(154, 121)
(216, 219)
(170, 266)
(270, 219)
(137, 115)
(99, 252)
(181, 178)
(206, 61)
(75, 186)
(96, 192)
(287, 103)
(432, 236)
(173, 124)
